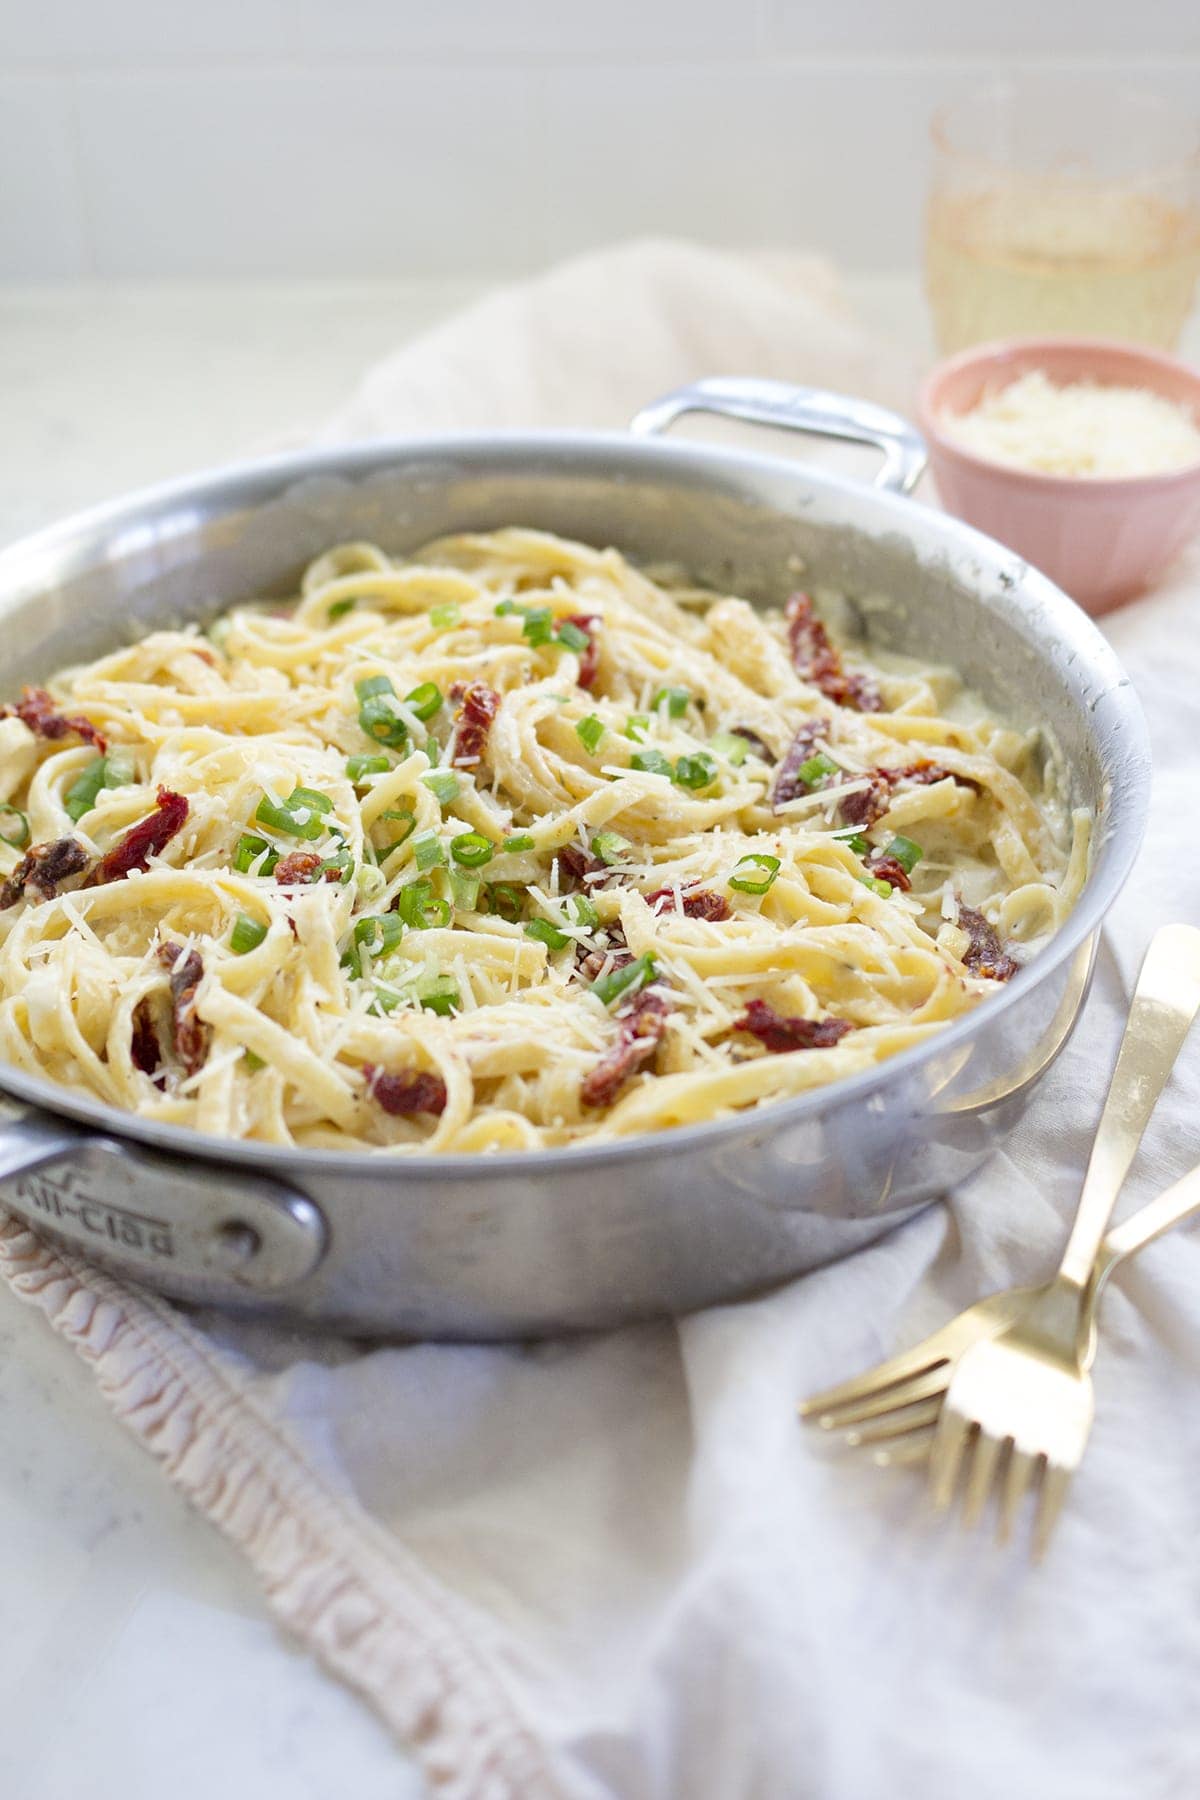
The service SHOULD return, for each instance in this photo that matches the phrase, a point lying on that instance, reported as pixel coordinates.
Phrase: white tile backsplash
(1022, 28)
(832, 156)
(41, 222)
(531, 30)
(85, 33)
(449, 137)
(374, 172)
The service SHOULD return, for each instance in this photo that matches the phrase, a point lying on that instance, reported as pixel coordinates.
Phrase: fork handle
(1165, 1002)
(1172, 1207)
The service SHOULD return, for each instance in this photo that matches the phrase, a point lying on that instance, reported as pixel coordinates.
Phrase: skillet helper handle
(1165, 1002)
(815, 410)
(149, 1215)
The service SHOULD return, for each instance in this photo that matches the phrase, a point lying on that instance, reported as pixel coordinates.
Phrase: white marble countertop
(130, 1634)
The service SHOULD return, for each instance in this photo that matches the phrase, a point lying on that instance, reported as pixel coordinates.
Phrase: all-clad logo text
(63, 1201)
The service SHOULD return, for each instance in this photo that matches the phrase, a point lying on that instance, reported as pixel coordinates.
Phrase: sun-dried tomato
(44, 868)
(480, 704)
(891, 870)
(698, 903)
(639, 1034)
(142, 841)
(985, 955)
(816, 660)
(191, 1034)
(788, 785)
(301, 867)
(144, 1047)
(37, 710)
(866, 807)
(780, 1033)
(924, 774)
(403, 1092)
(575, 865)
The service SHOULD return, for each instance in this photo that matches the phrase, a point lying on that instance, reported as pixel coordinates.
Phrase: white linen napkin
(616, 1566)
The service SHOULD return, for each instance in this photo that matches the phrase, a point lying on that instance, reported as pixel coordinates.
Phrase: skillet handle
(824, 414)
(153, 1216)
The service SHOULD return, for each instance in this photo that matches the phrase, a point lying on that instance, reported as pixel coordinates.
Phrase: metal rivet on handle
(235, 1243)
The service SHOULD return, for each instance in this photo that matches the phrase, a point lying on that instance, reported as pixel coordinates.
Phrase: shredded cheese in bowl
(1079, 429)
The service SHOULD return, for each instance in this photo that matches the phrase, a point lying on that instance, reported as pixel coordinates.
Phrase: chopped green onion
(377, 719)
(445, 616)
(341, 863)
(636, 727)
(675, 698)
(465, 886)
(442, 784)
(375, 715)
(253, 1061)
(882, 888)
(625, 981)
(731, 745)
(311, 798)
(538, 628)
(506, 900)
(250, 850)
(421, 908)
(853, 840)
(409, 824)
(379, 933)
(698, 771)
(14, 827)
(386, 1000)
(427, 851)
(610, 847)
(359, 767)
(652, 762)
(471, 849)
(906, 853)
(582, 911)
(370, 882)
(589, 731)
(302, 814)
(340, 608)
(83, 791)
(547, 934)
(114, 770)
(247, 934)
(522, 841)
(754, 884)
(439, 994)
(425, 700)
(816, 769)
(572, 635)
(505, 607)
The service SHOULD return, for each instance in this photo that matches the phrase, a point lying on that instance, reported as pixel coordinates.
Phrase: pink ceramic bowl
(1101, 539)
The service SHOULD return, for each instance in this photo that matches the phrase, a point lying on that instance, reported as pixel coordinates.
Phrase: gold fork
(895, 1405)
(881, 1392)
(1022, 1400)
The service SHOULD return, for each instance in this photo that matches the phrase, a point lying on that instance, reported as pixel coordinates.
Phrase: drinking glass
(1059, 204)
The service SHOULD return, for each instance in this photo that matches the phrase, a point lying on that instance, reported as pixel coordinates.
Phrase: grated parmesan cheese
(1079, 429)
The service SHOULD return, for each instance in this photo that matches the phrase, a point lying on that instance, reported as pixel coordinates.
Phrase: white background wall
(458, 137)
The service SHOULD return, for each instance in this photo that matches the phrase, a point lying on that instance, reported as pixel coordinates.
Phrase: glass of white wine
(1062, 204)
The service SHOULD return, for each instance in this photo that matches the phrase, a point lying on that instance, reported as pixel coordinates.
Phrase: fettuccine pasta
(506, 846)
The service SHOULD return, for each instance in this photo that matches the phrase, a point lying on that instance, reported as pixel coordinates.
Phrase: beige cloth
(615, 1566)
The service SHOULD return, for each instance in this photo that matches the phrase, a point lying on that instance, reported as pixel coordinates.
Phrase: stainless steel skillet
(533, 1243)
